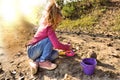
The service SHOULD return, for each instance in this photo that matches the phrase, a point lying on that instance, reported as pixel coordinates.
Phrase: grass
(86, 22)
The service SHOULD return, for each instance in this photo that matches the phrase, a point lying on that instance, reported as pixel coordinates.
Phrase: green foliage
(86, 22)
(60, 3)
(68, 10)
(74, 10)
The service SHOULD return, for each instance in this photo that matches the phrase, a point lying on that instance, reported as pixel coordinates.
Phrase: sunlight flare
(8, 10)
(12, 10)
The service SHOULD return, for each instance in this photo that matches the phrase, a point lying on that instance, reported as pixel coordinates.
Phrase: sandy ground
(14, 61)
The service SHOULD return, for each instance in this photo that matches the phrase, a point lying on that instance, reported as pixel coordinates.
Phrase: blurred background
(18, 19)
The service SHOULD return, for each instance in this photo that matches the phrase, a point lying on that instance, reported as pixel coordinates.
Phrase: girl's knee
(31, 57)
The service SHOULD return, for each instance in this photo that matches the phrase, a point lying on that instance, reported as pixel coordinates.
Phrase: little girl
(41, 49)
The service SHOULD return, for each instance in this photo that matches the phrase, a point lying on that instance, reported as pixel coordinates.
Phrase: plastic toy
(62, 53)
(70, 53)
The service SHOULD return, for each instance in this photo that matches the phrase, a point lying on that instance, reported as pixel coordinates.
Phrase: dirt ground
(14, 63)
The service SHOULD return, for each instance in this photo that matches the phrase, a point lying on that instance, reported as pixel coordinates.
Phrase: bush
(74, 10)
(68, 10)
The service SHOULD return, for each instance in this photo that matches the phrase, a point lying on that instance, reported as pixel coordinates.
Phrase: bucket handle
(82, 64)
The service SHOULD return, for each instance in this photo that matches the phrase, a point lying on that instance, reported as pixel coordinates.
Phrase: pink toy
(70, 53)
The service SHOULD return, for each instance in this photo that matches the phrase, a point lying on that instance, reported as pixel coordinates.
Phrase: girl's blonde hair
(53, 11)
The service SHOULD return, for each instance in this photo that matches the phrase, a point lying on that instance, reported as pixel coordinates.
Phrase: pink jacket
(45, 32)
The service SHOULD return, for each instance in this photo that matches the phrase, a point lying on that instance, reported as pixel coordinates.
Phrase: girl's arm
(53, 38)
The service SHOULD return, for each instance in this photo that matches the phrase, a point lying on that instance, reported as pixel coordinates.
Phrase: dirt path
(14, 66)
(109, 19)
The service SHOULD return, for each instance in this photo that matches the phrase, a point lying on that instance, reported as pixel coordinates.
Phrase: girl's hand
(70, 53)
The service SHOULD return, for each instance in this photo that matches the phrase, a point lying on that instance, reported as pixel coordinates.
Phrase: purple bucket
(88, 65)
